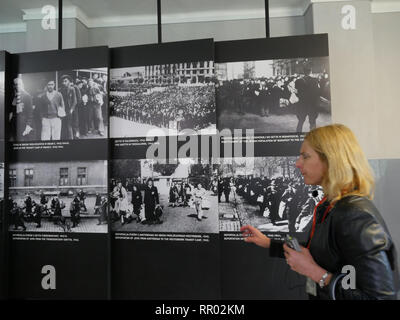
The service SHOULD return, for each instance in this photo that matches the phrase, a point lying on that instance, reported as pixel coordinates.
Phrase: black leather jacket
(353, 233)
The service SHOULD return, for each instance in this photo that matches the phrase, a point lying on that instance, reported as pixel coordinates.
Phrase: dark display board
(130, 170)
(58, 173)
(164, 245)
(3, 240)
(274, 91)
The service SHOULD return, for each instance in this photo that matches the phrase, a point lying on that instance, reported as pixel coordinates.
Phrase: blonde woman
(347, 228)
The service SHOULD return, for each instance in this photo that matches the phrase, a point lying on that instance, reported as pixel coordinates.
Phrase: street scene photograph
(58, 197)
(274, 96)
(266, 192)
(149, 196)
(149, 100)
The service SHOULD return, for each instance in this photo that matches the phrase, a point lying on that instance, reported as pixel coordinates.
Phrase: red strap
(315, 219)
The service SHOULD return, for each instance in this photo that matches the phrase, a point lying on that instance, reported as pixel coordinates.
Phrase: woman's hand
(302, 262)
(253, 235)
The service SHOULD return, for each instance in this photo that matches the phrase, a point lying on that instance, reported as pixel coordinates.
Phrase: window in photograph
(63, 176)
(82, 176)
(13, 177)
(28, 181)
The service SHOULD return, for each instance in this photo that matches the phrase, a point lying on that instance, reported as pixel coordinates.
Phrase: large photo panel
(163, 209)
(57, 204)
(277, 89)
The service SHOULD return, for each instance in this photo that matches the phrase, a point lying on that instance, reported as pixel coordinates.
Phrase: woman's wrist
(267, 242)
(316, 274)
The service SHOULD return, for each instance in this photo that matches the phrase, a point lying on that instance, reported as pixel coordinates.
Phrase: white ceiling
(97, 13)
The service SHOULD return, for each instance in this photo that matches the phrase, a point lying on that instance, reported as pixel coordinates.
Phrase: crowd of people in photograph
(72, 108)
(33, 211)
(187, 106)
(190, 194)
(143, 203)
(278, 199)
(304, 95)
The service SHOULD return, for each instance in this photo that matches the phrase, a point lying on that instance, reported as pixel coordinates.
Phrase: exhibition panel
(273, 91)
(58, 172)
(164, 211)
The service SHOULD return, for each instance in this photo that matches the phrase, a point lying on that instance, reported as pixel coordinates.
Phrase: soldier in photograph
(226, 189)
(82, 198)
(74, 210)
(17, 217)
(37, 214)
(102, 210)
(28, 204)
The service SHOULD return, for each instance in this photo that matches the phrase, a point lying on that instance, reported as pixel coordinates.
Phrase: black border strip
(57, 60)
(156, 54)
(272, 48)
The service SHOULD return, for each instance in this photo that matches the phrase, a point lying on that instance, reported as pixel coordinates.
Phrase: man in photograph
(51, 110)
(82, 197)
(21, 115)
(83, 108)
(96, 100)
(308, 92)
(199, 195)
(70, 121)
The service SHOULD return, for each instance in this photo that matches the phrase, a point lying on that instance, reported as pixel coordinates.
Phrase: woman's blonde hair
(348, 171)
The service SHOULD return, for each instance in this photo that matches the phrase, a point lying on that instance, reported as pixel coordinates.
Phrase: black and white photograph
(274, 96)
(153, 196)
(59, 105)
(58, 197)
(162, 99)
(266, 192)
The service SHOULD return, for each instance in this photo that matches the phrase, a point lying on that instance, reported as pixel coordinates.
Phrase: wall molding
(12, 27)
(385, 6)
(74, 12)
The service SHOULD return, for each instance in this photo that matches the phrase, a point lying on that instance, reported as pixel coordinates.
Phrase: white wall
(13, 42)
(386, 29)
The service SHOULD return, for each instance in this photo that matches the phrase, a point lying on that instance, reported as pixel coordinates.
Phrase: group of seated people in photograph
(76, 109)
(280, 200)
(302, 95)
(188, 106)
(33, 211)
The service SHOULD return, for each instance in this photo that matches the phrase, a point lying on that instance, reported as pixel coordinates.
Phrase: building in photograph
(287, 67)
(182, 73)
(64, 177)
